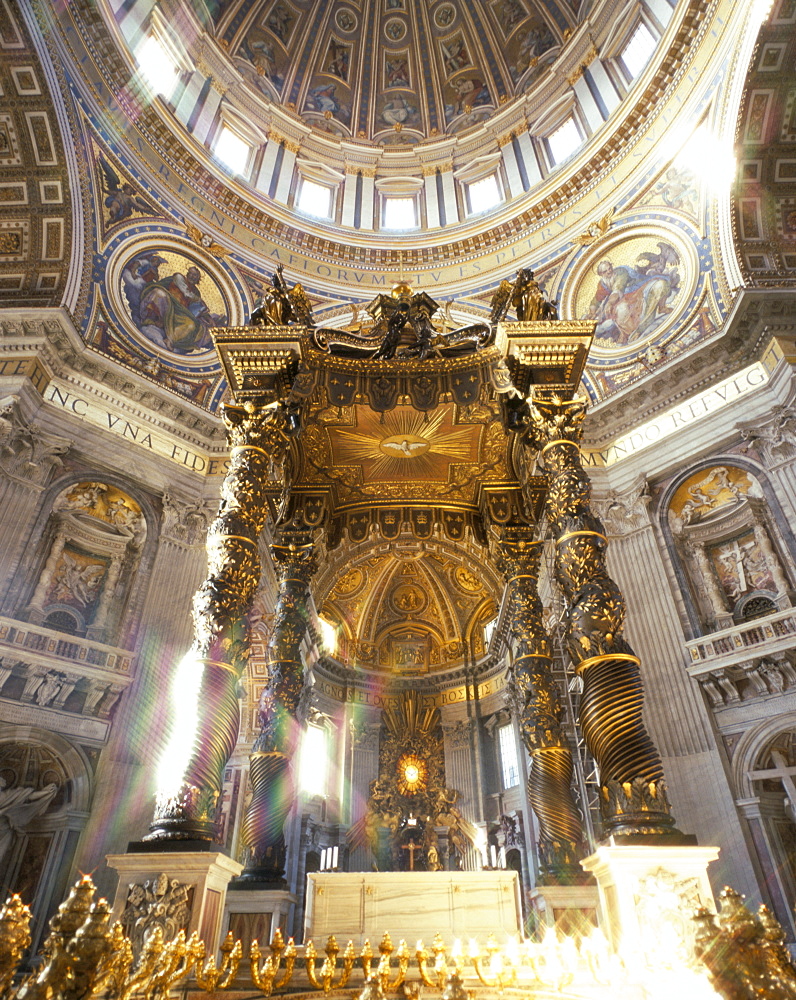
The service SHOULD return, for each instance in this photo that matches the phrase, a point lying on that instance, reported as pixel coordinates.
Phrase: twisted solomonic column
(259, 436)
(633, 791)
(270, 772)
(550, 780)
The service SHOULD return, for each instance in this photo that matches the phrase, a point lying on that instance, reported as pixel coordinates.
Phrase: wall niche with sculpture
(45, 794)
(91, 549)
(729, 547)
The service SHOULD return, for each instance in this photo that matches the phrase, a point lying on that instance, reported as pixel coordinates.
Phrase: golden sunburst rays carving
(405, 446)
(412, 773)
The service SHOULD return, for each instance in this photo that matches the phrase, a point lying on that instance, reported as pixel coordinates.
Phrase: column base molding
(173, 889)
(648, 893)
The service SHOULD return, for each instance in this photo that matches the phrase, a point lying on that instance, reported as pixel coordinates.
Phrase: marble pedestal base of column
(179, 889)
(256, 914)
(648, 894)
(571, 909)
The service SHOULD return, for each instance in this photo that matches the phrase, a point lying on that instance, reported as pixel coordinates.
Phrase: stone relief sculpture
(95, 534)
(728, 542)
(157, 903)
(25, 451)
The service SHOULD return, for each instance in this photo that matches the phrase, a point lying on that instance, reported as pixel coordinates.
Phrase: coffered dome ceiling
(394, 71)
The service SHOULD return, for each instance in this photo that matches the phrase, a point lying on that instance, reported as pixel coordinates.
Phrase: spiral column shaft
(632, 787)
(258, 435)
(550, 780)
(270, 769)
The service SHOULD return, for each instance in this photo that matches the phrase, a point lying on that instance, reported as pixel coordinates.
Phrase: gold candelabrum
(737, 956)
(266, 976)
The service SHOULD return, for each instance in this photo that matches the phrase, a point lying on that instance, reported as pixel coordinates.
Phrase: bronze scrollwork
(550, 779)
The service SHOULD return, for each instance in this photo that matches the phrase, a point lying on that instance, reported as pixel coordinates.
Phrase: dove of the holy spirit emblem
(405, 445)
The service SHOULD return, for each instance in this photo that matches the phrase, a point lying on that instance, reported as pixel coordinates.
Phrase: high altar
(426, 440)
(414, 906)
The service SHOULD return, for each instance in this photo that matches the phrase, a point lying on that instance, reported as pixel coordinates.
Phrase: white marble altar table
(412, 906)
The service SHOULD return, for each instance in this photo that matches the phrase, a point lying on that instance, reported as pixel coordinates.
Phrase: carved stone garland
(270, 771)
(632, 787)
(258, 436)
(550, 780)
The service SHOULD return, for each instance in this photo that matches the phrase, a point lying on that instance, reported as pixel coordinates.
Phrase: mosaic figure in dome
(444, 15)
(464, 93)
(531, 44)
(454, 54)
(260, 52)
(678, 190)
(396, 71)
(121, 198)
(323, 98)
(630, 301)
(337, 60)
(345, 20)
(509, 14)
(398, 111)
(280, 21)
(170, 311)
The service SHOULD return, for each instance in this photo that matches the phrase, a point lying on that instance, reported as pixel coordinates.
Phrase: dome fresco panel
(395, 71)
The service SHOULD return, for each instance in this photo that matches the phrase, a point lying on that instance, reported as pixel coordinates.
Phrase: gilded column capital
(290, 144)
(266, 426)
(295, 562)
(556, 422)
